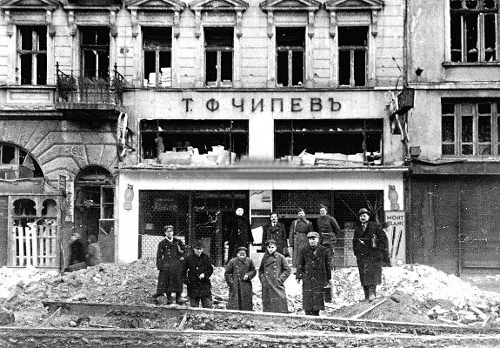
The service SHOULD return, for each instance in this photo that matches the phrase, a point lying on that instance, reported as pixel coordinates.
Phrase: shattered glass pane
(467, 129)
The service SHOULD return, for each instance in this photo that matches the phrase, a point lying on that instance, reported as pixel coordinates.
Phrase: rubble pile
(414, 291)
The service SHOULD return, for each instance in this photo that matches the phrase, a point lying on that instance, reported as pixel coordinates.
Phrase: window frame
(34, 52)
(476, 143)
(157, 50)
(352, 49)
(461, 15)
(291, 50)
(219, 50)
(94, 47)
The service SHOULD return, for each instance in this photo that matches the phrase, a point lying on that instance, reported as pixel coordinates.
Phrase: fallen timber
(182, 318)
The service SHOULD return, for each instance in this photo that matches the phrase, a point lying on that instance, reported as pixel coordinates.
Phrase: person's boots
(372, 293)
(169, 299)
(178, 298)
(366, 289)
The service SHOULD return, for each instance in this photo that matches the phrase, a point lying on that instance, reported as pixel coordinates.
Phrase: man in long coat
(369, 244)
(197, 272)
(315, 272)
(238, 274)
(275, 230)
(169, 258)
(298, 234)
(328, 229)
(273, 272)
(239, 233)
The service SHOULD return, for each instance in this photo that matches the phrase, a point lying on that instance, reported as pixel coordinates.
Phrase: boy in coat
(169, 258)
(273, 272)
(239, 273)
(197, 272)
(315, 270)
(369, 244)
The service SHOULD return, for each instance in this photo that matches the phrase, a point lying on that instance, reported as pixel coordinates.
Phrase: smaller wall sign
(396, 234)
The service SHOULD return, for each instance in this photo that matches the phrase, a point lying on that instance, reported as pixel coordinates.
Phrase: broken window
(95, 52)
(185, 139)
(15, 163)
(353, 51)
(474, 33)
(333, 141)
(470, 129)
(290, 48)
(157, 46)
(32, 53)
(219, 56)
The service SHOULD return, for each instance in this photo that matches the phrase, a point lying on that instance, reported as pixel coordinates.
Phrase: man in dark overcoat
(315, 272)
(275, 230)
(273, 272)
(369, 244)
(169, 258)
(197, 271)
(298, 234)
(239, 233)
(238, 274)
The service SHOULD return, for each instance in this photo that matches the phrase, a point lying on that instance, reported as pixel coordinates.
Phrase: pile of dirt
(424, 293)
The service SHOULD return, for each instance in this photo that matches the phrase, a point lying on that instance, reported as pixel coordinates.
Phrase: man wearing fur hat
(369, 244)
(328, 229)
(273, 272)
(197, 272)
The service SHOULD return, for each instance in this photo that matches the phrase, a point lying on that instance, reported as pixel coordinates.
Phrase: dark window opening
(474, 33)
(32, 51)
(219, 48)
(157, 46)
(335, 140)
(290, 50)
(95, 52)
(16, 163)
(470, 129)
(201, 142)
(353, 50)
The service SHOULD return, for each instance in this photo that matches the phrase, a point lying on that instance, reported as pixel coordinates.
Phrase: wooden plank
(54, 315)
(368, 310)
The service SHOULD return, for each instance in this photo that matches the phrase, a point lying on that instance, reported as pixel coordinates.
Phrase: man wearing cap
(169, 259)
(276, 230)
(298, 234)
(238, 274)
(239, 233)
(369, 244)
(197, 271)
(273, 272)
(314, 270)
(328, 229)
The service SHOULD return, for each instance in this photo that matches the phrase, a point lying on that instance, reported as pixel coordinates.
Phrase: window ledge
(470, 64)
(37, 87)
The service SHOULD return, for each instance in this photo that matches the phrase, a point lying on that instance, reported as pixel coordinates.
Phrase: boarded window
(290, 48)
(32, 53)
(474, 30)
(157, 47)
(219, 56)
(353, 50)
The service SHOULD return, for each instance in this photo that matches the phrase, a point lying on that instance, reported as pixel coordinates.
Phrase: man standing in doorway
(239, 233)
(314, 270)
(276, 231)
(328, 229)
(298, 234)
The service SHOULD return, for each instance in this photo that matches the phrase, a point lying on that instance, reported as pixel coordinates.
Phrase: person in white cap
(369, 244)
(315, 271)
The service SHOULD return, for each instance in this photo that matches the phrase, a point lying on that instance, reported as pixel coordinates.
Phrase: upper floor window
(32, 55)
(290, 48)
(95, 52)
(15, 163)
(157, 46)
(474, 30)
(219, 56)
(470, 129)
(353, 50)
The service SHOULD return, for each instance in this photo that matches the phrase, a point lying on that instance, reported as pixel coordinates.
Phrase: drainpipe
(405, 45)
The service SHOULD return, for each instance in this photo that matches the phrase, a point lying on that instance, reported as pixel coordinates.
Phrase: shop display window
(219, 48)
(337, 142)
(290, 48)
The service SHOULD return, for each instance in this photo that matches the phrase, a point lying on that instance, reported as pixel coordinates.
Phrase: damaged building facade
(454, 133)
(137, 114)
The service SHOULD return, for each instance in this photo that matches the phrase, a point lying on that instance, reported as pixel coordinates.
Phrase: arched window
(16, 163)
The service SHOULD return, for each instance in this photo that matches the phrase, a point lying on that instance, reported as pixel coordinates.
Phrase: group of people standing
(312, 257)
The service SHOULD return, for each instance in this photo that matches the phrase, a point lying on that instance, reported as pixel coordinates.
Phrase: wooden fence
(37, 246)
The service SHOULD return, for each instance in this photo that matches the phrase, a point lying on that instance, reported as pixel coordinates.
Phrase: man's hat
(313, 235)
(168, 226)
(242, 248)
(322, 206)
(270, 241)
(198, 244)
(363, 211)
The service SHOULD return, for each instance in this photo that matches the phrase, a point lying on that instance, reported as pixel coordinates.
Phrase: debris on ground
(413, 293)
